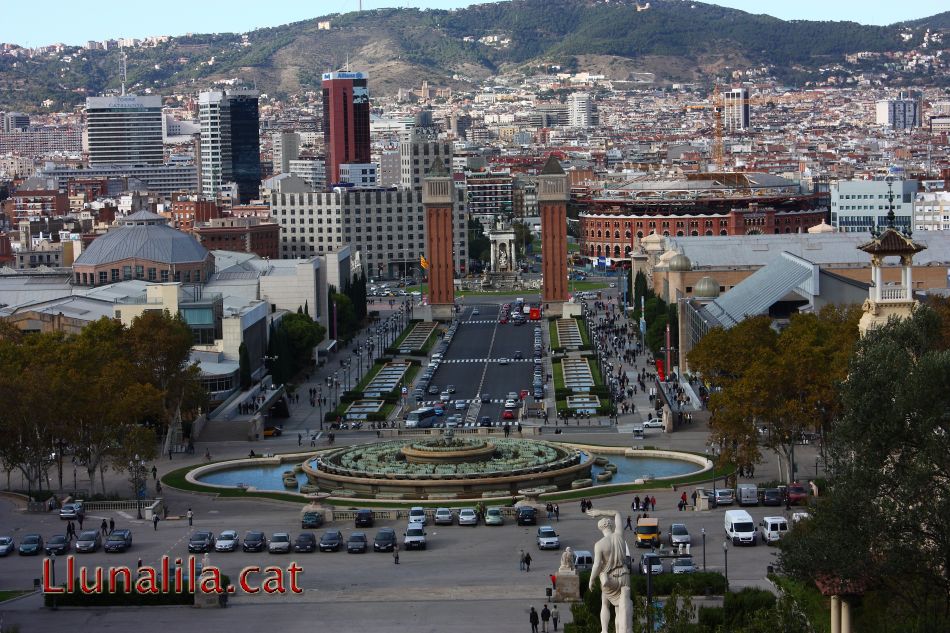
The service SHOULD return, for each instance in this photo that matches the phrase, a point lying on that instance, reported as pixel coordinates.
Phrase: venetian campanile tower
(437, 199)
(552, 200)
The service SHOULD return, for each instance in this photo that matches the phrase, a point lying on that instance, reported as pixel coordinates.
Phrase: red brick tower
(437, 198)
(552, 199)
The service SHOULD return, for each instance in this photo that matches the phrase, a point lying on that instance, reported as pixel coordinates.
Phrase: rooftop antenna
(125, 74)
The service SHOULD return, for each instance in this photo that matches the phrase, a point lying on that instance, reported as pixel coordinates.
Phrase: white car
(228, 541)
(445, 396)
(279, 543)
(443, 516)
(547, 538)
(460, 405)
(652, 561)
(417, 514)
(655, 423)
(510, 404)
(468, 516)
(503, 361)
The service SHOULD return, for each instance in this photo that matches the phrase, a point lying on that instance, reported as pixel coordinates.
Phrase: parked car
(200, 542)
(414, 537)
(72, 511)
(548, 538)
(678, 534)
(331, 541)
(228, 541)
(384, 540)
(32, 544)
(57, 544)
(305, 542)
(654, 423)
(683, 565)
(254, 542)
(7, 545)
(119, 541)
(772, 497)
(433, 390)
(797, 494)
(725, 496)
(444, 516)
(468, 516)
(526, 515)
(311, 520)
(364, 518)
(417, 514)
(279, 543)
(493, 516)
(357, 543)
(651, 563)
(87, 542)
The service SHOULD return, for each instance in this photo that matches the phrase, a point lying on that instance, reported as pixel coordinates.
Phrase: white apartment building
(857, 206)
(579, 110)
(736, 111)
(387, 227)
(312, 170)
(932, 211)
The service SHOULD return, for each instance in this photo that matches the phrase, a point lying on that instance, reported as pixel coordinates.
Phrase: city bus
(422, 418)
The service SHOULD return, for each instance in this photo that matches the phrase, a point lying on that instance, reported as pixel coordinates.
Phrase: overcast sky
(73, 22)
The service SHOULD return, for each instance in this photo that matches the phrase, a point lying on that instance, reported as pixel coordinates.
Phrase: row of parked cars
(87, 542)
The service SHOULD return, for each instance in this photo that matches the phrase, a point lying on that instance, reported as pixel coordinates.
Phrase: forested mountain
(674, 39)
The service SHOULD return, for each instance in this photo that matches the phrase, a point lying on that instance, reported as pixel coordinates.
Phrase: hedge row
(121, 598)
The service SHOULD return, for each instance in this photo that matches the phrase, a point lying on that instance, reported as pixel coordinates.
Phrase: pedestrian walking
(557, 512)
(629, 525)
(191, 517)
(299, 439)
(395, 553)
(111, 525)
(533, 619)
(545, 616)
(683, 501)
(154, 473)
(527, 561)
(80, 519)
(70, 530)
(653, 503)
(104, 528)
(158, 488)
(636, 503)
(553, 582)
(555, 617)
(521, 561)
(155, 522)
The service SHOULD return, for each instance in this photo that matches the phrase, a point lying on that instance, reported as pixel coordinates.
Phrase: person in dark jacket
(533, 619)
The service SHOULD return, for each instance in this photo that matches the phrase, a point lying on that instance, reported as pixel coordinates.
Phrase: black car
(485, 421)
(118, 541)
(58, 544)
(772, 497)
(357, 543)
(385, 540)
(331, 541)
(201, 542)
(486, 397)
(306, 542)
(31, 545)
(254, 542)
(527, 516)
(311, 520)
(364, 518)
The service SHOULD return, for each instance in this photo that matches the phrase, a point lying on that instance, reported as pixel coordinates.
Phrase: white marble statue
(611, 567)
(502, 260)
(567, 562)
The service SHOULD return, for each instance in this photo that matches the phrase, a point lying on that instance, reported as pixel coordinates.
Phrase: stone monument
(568, 588)
(611, 567)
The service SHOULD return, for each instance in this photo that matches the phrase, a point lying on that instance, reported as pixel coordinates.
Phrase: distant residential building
(358, 174)
(37, 142)
(488, 193)
(932, 211)
(345, 121)
(390, 168)
(312, 170)
(245, 235)
(160, 179)
(898, 114)
(736, 111)
(124, 130)
(940, 124)
(418, 152)
(35, 203)
(286, 147)
(858, 206)
(230, 142)
(13, 121)
(579, 110)
(187, 211)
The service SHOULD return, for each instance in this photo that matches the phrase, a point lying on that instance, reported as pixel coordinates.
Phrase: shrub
(739, 608)
(711, 618)
(692, 584)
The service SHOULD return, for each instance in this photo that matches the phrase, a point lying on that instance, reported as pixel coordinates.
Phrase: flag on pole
(424, 262)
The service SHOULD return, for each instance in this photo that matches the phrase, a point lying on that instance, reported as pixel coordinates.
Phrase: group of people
(524, 563)
(586, 504)
(546, 615)
(553, 510)
(647, 503)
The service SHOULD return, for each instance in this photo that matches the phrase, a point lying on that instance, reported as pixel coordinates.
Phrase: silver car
(279, 543)
(683, 565)
(468, 516)
(679, 535)
(547, 538)
(228, 541)
(443, 516)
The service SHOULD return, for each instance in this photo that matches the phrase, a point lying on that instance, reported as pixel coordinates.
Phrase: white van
(748, 494)
(740, 528)
(583, 560)
(773, 529)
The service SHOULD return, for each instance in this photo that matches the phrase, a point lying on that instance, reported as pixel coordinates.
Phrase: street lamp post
(725, 553)
(137, 473)
(704, 549)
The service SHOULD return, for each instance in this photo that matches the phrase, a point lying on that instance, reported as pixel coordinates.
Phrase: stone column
(494, 254)
(835, 614)
(437, 199)
(552, 200)
(845, 616)
(512, 256)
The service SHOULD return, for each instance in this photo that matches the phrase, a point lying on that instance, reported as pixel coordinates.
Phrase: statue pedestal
(568, 587)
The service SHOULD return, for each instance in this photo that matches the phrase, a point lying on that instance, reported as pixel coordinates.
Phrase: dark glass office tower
(245, 143)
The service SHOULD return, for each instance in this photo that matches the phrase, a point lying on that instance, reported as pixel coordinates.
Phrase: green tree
(345, 317)
(639, 287)
(302, 335)
(889, 460)
(479, 246)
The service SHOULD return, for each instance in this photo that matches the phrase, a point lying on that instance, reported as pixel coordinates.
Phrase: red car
(509, 414)
(797, 494)
(503, 320)
(524, 394)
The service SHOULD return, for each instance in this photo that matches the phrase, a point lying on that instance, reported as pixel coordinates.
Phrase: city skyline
(76, 25)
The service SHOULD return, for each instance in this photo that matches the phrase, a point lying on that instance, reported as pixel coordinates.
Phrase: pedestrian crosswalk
(480, 321)
(486, 360)
(430, 403)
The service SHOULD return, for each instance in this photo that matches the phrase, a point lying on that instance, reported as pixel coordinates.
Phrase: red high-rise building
(345, 121)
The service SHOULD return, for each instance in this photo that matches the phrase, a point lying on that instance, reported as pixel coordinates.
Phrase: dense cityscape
(713, 310)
